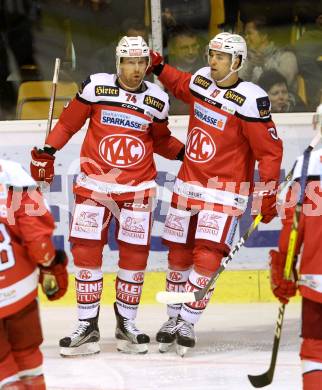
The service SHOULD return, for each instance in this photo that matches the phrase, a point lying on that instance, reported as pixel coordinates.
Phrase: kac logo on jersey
(210, 117)
(200, 146)
(121, 150)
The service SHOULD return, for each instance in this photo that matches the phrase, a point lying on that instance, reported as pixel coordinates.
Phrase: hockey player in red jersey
(26, 228)
(309, 284)
(128, 122)
(230, 127)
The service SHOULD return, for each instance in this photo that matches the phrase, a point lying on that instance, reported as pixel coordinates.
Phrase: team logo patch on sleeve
(202, 82)
(106, 90)
(154, 102)
(263, 104)
(235, 97)
(84, 83)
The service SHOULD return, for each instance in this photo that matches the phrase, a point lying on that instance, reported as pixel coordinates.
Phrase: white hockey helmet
(131, 47)
(233, 44)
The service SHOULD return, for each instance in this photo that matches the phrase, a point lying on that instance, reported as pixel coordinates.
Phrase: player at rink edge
(128, 123)
(230, 128)
(308, 280)
(27, 256)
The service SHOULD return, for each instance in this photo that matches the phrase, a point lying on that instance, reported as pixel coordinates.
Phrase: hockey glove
(42, 164)
(282, 288)
(156, 63)
(54, 279)
(265, 203)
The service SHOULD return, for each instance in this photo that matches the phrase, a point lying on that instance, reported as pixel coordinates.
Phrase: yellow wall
(232, 287)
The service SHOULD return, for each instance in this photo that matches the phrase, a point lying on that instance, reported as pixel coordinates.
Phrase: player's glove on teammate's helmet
(156, 63)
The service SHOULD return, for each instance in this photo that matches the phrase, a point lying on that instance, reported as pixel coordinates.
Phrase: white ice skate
(83, 341)
(166, 335)
(185, 336)
(129, 338)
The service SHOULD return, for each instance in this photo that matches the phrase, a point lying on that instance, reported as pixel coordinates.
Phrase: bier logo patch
(106, 90)
(202, 82)
(154, 102)
(235, 97)
(263, 104)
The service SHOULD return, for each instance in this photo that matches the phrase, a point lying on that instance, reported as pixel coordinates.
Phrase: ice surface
(233, 340)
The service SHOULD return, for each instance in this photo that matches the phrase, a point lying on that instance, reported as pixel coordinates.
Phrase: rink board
(18, 137)
(233, 286)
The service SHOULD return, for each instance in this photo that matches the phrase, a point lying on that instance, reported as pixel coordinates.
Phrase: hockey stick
(266, 378)
(50, 282)
(50, 114)
(53, 96)
(170, 297)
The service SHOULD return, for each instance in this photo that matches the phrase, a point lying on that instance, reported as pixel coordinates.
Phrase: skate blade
(181, 350)
(165, 347)
(126, 346)
(82, 350)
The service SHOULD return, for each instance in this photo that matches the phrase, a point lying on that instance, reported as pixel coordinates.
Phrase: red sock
(312, 380)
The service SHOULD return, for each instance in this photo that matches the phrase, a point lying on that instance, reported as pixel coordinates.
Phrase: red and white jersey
(229, 129)
(125, 128)
(24, 220)
(310, 228)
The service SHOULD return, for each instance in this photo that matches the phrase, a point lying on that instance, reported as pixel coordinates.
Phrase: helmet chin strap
(230, 73)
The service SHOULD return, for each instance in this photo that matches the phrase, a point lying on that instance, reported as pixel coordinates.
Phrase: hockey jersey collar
(142, 88)
(232, 86)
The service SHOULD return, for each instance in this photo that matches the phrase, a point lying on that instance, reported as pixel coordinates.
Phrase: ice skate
(167, 334)
(83, 341)
(185, 336)
(129, 338)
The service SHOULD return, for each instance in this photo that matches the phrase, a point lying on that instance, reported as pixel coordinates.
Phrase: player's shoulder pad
(13, 174)
(314, 168)
(201, 80)
(156, 101)
(96, 86)
(256, 105)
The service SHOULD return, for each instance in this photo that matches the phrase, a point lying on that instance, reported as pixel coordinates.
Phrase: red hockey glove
(42, 164)
(156, 63)
(265, 203)
(282, 288)
(54, 279)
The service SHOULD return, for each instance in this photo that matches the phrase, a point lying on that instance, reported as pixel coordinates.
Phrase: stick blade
(261, 380)
(170, 297)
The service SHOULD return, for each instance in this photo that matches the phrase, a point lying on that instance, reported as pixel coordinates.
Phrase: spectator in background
(16, 40)
(309, 49)
(184, 49)
(282, 100)
(263, 55)
(103, 61)
(193, 13)
(185, 54)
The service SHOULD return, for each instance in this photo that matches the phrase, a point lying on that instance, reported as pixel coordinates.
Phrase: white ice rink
(233, 340)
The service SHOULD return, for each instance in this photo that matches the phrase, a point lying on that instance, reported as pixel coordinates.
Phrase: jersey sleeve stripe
(252, 119)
